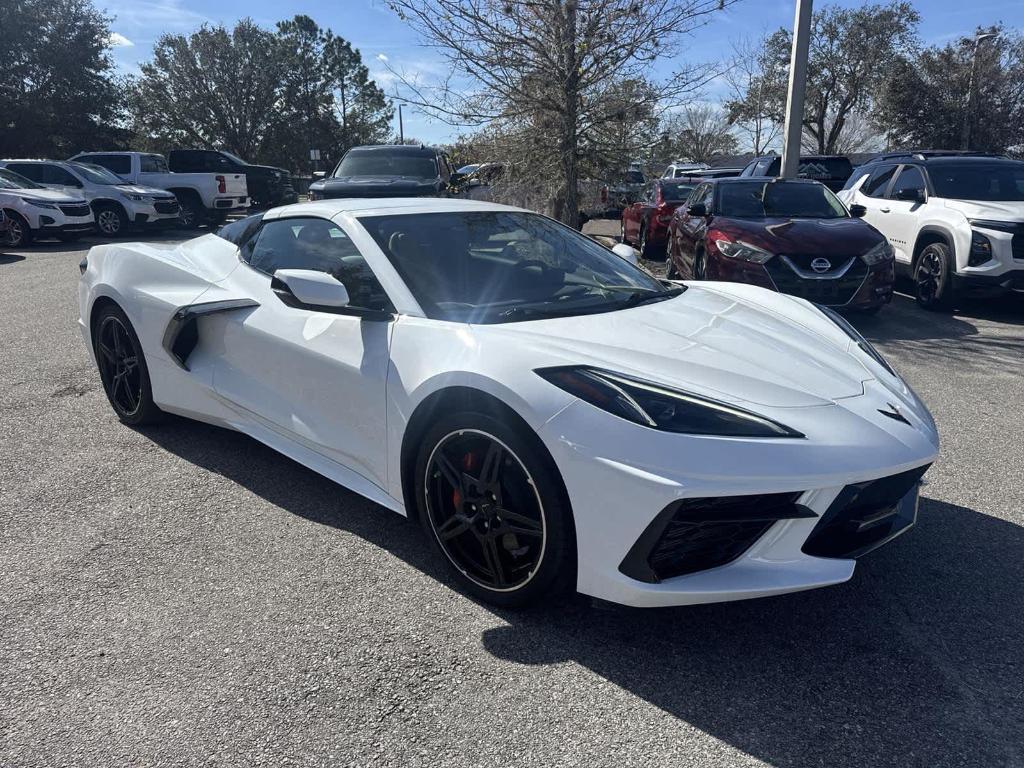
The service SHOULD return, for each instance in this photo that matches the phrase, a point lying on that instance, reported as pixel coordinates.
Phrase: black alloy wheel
(493, 509)
(189, 214)
(122, 367)
(933, 277)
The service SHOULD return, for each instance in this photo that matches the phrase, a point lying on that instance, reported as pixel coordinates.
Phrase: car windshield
(676, 192)
(96, 174)
(12, 180)
(763, 199)
(498, 266)
(978, 181)
(379, 163)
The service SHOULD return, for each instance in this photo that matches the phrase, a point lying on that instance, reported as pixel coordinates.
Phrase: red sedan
(792, 236)
(645, 223)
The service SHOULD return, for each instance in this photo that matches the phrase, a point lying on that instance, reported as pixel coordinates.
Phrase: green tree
(214, 88)
(58, 89)
(852, 52)
(923, 102)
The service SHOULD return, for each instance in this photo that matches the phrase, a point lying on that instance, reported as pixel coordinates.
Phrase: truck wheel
(190, 213)
(111, 220)
(933, 278)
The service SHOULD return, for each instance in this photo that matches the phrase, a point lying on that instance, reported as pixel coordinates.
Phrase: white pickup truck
(203, 197)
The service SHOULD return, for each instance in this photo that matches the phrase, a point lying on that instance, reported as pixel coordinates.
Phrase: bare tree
(750, 100)
(545, 68)
(699, 133)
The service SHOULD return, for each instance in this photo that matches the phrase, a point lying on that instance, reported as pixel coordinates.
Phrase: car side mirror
(858, 211)
(625, 252)
(319, 174)
(698, 209)
(911, 195)
(309, 289)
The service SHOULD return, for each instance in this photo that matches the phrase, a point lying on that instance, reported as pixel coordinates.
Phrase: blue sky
(379, 35)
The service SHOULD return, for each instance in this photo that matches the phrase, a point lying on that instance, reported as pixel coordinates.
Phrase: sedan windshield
(978, 181)
(12, 180)
(497, 266)
(97, 174)
(764, 199)
(386, 164)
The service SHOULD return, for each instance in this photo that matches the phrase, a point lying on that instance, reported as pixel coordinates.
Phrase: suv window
(875, 186)
(910, 178)
(119, 164)
(319, 244)
(32, 171)
(152, 164)
(54, 174)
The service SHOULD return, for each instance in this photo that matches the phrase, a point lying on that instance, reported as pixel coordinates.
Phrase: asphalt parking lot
(184, 596)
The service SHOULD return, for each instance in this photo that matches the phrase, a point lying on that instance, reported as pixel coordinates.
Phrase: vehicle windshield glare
(96, 174)
(378, 163)
(12, 180)
(498, 266)
(763, 199)
(995, 182)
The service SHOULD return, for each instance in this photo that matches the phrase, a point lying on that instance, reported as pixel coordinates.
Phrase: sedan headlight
(39, 203)
(737, 249)
(881, 252)
(658, 407)
(854, 334)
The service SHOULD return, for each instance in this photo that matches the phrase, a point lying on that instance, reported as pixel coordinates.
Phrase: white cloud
(382, 57)
(117, 40)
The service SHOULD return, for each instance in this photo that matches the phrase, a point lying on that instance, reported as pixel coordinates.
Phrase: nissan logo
(821, 265)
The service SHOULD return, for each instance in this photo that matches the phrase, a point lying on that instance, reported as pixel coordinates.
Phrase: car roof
(373, 206)
(773, 179)
(806, 157)
(975, 159)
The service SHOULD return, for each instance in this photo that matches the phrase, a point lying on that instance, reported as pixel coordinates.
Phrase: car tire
(647, 251)
(20, 233)
(190, 213)
(933, 277)
(700, 265)
(622, 232)
(671, 273)
(122, 367)
(473, 472)
(111, 220)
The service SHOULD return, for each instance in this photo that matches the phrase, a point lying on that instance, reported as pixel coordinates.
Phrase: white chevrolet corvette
(551, 414)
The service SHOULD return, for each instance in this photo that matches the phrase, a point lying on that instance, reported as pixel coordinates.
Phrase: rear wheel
(933, 277)
(700, 267)
(646, 248)
(493, 506)
(122, 367)
(190, 213)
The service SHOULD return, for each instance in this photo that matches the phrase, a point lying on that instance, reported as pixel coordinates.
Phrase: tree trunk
(569, 212)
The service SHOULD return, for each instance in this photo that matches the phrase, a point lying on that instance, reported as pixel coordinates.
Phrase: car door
(690, 228)
(314, 375)
(871, 195)
(904, 211)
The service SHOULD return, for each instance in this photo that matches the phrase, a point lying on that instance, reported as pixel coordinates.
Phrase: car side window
(770, 167)
(855, 177)
(875, 186)
(317, 244)
(697, 195)
(53, 174)
(119, 164)
(31, 171)
(748, 169)
(709, 196)
(910, 178)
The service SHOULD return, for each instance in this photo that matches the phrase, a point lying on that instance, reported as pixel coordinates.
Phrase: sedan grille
(166, 206)
(865, 516)
(835, 286)
(81, 209)
(696, 534)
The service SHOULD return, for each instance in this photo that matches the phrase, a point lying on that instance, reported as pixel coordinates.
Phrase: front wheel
(111, 221)
(122, 367)
(494, 508)
(933, 277)
(700, 267)
(20, 234)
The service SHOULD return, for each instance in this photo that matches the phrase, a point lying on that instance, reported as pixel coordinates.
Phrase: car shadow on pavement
(10, 258)
(917, 661)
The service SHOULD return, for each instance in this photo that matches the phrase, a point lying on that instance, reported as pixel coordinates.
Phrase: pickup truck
(203, 197)
(268, 186)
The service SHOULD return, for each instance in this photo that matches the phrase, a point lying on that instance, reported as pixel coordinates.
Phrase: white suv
(955, 220)
(34, 211)
(681, 168)
(115, 203)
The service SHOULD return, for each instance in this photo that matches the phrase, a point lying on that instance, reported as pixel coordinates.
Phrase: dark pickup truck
(387, 170)
(268, 186)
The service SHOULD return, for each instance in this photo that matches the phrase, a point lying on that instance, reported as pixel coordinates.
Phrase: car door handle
(884, 210)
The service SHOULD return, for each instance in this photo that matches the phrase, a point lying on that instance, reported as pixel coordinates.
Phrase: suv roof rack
(927, 154)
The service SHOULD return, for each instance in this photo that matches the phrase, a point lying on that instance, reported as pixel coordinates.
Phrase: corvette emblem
(894, 413)
(821, 265)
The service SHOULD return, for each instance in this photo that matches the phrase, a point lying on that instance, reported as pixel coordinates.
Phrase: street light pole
(965, 138)
(797, 89)
(401, 129)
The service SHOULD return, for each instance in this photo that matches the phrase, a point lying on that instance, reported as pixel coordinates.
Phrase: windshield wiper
(646, 296)
(525, 311)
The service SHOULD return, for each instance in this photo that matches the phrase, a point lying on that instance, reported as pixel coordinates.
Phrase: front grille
(1017, 245)
(166, 206)
(75, 210)
(696, 534)
(835, 287)
(864, 516)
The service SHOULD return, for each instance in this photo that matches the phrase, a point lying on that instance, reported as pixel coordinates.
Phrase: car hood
(733, 342)
(49, 195)
(1009, 210)
(803, 236)
(377, 186)
(139, 189)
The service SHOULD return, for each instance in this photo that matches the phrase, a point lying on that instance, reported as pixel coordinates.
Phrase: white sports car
(551, 414)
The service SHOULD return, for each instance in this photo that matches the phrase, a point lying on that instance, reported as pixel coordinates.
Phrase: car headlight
(39, 203)
(854, 334)
(881, 252)
(658, 407)
(137, 198)
(737, 249)
(981, 249)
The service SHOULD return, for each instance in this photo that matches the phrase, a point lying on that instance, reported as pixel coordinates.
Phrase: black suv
(388, 170)
(830, 170)
(268, 186)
